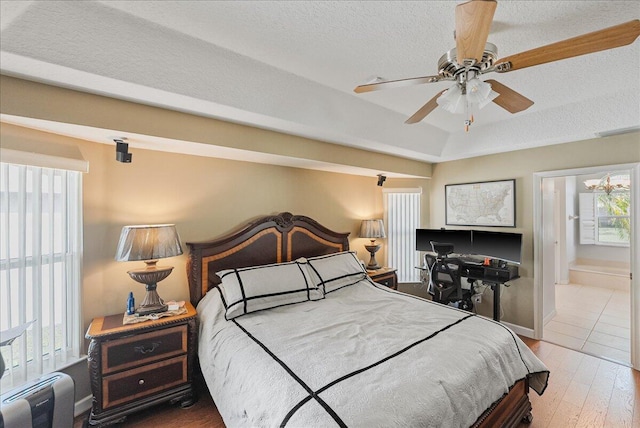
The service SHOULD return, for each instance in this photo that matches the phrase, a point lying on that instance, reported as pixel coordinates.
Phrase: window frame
(597, 217)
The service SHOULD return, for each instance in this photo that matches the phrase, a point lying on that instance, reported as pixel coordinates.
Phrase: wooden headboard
(271, 239)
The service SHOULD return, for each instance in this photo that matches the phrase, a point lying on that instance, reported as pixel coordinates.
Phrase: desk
(489, 275)
(494, 277)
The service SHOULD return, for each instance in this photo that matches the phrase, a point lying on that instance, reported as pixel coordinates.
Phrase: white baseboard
(82, 406)
(517, 329)
(549, 317)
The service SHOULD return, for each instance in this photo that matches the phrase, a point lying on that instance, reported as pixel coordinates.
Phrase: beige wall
(22, 98)
(517, 300)
(205, 198)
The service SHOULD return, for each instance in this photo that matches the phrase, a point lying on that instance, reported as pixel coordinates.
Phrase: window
(613, 224)
(40, 265)
(605, 217)
(402, 218)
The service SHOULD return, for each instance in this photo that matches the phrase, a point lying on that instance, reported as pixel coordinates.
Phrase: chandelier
(608, 184)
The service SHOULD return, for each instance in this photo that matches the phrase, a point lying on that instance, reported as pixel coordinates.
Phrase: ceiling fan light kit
(474, 56)
(460, 97)
(463, 97)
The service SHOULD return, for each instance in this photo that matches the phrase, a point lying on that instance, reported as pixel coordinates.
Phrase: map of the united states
(480, 204)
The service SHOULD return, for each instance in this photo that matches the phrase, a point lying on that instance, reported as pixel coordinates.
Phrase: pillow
(334, 271)
(252, 289)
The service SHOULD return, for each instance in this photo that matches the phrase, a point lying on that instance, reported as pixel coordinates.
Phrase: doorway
(584, 296)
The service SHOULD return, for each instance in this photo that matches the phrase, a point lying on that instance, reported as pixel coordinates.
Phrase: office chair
(429, 262)
(445, 282)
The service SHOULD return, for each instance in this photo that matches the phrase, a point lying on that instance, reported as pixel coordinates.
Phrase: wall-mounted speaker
(122, 152)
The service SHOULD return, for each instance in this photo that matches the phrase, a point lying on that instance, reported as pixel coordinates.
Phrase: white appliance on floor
(46, 402)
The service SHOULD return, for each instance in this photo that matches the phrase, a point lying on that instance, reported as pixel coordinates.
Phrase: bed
(292, 332)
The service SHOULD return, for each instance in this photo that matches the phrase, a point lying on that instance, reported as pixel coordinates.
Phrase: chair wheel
(528, 418)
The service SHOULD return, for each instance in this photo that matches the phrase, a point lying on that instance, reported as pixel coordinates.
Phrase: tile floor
(591, 319)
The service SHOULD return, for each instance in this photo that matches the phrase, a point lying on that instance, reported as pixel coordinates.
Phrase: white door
(549, 247)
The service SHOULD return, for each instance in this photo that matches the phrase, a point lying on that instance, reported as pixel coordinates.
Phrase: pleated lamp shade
(148, 242)
(372, 229)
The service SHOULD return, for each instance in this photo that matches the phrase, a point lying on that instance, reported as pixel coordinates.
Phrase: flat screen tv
(498, 245)
(461, 239)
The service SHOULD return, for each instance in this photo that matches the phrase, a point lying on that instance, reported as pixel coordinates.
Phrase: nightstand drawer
(387, 280)
(386, 276)
(137, 383)
(121, 354)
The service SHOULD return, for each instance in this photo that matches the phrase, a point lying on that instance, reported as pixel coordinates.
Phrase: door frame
(634, 244)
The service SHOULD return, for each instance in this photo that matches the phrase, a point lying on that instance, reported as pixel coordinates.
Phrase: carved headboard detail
(271, 239)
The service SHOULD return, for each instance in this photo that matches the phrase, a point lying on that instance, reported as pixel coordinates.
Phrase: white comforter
(365, 356)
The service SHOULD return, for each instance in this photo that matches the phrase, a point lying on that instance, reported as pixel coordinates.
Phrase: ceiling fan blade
(473, 22)
(608, 38)
(509, 99)
(389, 84)
(425, 109)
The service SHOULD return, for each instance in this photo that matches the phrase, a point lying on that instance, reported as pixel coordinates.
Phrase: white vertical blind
(40, 261)
(402, 218)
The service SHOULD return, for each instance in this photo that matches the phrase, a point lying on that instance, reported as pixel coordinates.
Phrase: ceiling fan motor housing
(449, 68)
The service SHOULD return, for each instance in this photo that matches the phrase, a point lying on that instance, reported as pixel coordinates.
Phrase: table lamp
(149, 243)
(372, 229)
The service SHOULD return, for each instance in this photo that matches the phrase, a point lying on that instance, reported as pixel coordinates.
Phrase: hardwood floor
(583, 391)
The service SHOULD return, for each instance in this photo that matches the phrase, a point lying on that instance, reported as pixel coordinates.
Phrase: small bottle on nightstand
(131, 305)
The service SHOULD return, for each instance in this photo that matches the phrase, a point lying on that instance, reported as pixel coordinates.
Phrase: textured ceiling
(291, 66)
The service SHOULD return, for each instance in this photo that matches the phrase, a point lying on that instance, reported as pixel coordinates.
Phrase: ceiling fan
(473, 56)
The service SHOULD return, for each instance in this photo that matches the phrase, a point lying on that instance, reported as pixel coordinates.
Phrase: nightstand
(385, 276)
(135, 366)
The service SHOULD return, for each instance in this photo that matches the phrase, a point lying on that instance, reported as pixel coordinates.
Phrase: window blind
(402, 217)
(40, 268)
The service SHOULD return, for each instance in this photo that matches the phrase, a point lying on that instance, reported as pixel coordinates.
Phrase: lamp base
(152, 302)
(373, 264)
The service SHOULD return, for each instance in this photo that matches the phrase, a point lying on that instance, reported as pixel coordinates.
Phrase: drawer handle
(141, 382)
(147, 350)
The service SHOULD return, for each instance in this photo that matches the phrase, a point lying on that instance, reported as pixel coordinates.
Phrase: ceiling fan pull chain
(468, 114)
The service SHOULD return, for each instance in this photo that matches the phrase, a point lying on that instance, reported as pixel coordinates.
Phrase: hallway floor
(591, 319)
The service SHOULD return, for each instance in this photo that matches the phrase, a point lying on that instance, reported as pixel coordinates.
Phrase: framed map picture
(487, 203)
